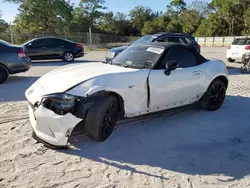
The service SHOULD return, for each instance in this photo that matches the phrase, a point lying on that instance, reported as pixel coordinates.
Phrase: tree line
(217, 18)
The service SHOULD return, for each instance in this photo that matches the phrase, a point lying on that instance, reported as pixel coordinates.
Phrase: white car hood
(66, 77)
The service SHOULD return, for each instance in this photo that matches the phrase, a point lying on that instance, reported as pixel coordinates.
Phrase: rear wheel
(4, 74)
(215, 95)
(68, 57)
(101, 118)
(230, 60)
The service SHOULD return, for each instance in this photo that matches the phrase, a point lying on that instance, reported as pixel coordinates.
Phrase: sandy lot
(185, 147)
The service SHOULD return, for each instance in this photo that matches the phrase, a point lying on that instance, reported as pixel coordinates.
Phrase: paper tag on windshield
(155, 50)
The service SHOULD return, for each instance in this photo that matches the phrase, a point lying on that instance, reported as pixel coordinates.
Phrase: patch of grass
(87, 49)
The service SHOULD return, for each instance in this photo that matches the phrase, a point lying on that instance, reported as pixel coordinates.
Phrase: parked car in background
(13, 59)
(53, 48)
(179, 38)
(238, 47)
(142, 79)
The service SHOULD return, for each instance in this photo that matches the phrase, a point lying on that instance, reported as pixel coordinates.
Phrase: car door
(183, 85)
(54, 48)
(35, 49)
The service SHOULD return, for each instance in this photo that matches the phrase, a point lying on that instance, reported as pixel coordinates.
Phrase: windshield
(143, 40)
(139, 57)
(243, 41)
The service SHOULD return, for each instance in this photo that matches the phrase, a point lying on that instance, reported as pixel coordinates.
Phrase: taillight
(199, 46)
(21, 54)
(79, 45)
(247, 48)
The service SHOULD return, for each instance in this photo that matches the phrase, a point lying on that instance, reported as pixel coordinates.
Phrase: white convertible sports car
(141, 80)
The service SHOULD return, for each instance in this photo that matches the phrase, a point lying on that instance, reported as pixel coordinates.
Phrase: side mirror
(170, 66)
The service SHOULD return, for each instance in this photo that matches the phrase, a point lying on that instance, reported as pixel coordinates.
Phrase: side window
(162, 39)
(178, 40)
(48, 42)
(57, 42)
(38, 43)
(188, 41)
(174, 40)
(184, 57)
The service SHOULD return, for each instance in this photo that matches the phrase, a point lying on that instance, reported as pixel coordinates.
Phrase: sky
(9, 10)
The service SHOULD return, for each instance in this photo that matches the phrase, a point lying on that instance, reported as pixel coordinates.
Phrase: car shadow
(58, 62)
(15, 87)
(189, 141)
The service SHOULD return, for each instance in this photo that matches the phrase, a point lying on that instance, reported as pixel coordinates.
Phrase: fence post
(205, 40)
(223, 41)
(11, 34)
(90, 37)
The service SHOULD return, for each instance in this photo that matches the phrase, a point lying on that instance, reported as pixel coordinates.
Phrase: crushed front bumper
(51, 129)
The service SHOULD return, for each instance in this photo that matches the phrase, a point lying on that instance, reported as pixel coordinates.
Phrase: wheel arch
(222, 78)
(84, 106)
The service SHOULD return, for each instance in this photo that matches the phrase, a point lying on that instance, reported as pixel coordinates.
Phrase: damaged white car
(141, 80)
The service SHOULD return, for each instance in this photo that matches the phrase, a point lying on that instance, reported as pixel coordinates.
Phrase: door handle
(197, 73)
(43, 47)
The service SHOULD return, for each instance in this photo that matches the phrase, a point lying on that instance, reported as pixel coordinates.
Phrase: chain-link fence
(93, 40)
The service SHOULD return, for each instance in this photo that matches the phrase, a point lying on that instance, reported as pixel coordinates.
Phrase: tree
(201, 7)
(190, 21)
(107, 24)
(176, 6)
(44, 17)
(92, 9)
(139, 15)
(4, 34)
(154, 26)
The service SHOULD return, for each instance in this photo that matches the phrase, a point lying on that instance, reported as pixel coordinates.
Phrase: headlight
(110, 55)
(60, 103)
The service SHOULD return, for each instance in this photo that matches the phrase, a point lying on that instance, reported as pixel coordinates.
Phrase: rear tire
(101, 118)
(214, 96)
(230, 60)
(68, 57)
(4, 74)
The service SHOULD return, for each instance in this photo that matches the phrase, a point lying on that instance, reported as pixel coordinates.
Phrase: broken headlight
(60, 103)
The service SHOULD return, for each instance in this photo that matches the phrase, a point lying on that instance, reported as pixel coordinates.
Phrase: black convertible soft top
(166, 45)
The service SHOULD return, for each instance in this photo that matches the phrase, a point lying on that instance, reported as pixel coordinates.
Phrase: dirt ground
(185, 147)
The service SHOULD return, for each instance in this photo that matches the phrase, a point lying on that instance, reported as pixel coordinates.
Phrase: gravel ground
(185, 147)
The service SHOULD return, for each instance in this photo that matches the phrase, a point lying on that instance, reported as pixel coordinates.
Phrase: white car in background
(238, 47)
(141, 80)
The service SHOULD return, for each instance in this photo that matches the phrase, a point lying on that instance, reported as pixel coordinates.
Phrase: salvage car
(13, 60)
(53, 48)
(141, 80)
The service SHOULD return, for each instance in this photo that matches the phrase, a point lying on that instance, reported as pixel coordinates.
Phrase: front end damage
(53, 118)
(50, 128)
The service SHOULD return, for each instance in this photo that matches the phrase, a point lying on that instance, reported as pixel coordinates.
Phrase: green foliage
(91, 9)
(200, 6)
(190, 21)
(59, 17)
(139, 15)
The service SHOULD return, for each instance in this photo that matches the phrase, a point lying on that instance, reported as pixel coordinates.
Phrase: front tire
(68, 57)
(230, 60)
(101, 118)
(4, 74)
(214, 96)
